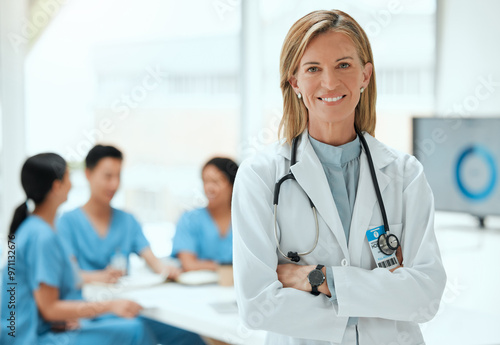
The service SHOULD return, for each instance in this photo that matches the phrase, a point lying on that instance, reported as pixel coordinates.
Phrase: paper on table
(141, 280)
(127, 283)
(198, 277)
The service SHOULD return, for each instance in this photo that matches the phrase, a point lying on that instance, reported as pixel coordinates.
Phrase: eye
(344, 65)
(312, 69)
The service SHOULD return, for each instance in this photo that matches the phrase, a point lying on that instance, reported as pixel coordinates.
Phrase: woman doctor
(311, 277)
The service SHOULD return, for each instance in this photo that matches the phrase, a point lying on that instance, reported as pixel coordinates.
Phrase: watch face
(316, 277)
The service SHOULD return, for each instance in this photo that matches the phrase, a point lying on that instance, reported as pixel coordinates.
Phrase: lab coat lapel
(366, 198)
(311, 177)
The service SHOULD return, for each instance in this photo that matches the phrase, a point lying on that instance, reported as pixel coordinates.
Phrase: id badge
(381, 260)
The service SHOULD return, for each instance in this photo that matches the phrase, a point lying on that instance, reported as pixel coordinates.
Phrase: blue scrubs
(198, 233)
(40, 257)
(93, 252)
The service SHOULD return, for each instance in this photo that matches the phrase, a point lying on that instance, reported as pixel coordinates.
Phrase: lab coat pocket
(396, 229)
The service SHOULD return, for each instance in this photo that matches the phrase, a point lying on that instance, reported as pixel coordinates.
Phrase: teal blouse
(341, 166)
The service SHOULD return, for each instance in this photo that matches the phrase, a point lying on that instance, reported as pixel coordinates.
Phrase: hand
(171, 272)
(124, 308)
(399, 255)
(62, 326)
(73, 324)
(294, 276)
(108, 275)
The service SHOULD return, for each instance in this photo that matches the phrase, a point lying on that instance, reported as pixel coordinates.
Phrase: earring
(362, 89)
(299, 95)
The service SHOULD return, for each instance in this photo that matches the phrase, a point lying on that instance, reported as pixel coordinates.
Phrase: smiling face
(218, 189)
(329, 77)
(104, 179)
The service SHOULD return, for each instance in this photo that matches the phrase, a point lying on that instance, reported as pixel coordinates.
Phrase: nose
(330, 80)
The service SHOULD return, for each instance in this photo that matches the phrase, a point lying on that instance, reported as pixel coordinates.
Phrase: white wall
(13, 45)
(468, 58)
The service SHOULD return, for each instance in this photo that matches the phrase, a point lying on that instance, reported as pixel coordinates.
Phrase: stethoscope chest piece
(388, 243)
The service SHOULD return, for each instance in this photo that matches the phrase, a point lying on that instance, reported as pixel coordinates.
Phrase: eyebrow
(317, 63)
(343, 58)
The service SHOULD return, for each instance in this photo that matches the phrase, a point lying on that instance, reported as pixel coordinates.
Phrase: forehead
(212, 171)
(329, 45)
(108, 163)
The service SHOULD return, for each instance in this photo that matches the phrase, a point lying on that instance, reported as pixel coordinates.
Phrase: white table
(187, 307)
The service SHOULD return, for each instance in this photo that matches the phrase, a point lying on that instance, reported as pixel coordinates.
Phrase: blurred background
(173, 83)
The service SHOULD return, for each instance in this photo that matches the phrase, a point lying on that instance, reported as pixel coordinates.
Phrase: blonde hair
(295, 114)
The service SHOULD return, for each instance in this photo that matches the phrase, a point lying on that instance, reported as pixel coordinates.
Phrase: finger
(134, 312)
(399, 255)
(116, 273)
(395, 268)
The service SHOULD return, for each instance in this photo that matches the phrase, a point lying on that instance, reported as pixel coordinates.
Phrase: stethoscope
(387, 242)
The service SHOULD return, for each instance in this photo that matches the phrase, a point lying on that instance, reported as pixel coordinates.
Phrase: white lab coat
(389, 305)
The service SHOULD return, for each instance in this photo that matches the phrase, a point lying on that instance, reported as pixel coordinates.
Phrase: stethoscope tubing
(387, 235)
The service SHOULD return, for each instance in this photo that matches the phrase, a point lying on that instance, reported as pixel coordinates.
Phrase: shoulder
(196, 215)
(124, 216)
(265, 164)
(197, 212)
(67, 224)
(35, 230)
(71, 215)
(395, 162)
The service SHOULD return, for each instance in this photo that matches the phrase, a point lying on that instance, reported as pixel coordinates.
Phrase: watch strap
(314, 290)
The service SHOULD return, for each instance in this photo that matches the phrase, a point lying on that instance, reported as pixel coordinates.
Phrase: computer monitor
(461, 159)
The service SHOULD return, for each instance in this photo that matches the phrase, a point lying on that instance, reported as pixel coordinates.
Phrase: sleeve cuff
(331, 284)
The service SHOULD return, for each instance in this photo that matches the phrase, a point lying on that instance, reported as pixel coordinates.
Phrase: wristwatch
(316, 278)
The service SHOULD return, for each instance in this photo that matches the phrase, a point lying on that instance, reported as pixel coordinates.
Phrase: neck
(46, 211)
(335, 134)
(97, 208)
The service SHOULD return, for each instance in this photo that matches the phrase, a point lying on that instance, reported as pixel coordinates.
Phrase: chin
(107, 199)
(213, 202)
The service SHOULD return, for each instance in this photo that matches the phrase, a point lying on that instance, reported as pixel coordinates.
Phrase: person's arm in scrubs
(185, 246)
(141, 247)
(159, 267)
(108, 275)
(47, 263)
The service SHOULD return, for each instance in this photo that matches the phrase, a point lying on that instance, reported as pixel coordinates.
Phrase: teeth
(332, 99)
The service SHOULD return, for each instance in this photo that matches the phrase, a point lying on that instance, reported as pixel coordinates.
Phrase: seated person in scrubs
(203, 238)
(97, 233)
(40, 300)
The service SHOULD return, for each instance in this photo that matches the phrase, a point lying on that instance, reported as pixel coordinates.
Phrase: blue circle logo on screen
(484, 154)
